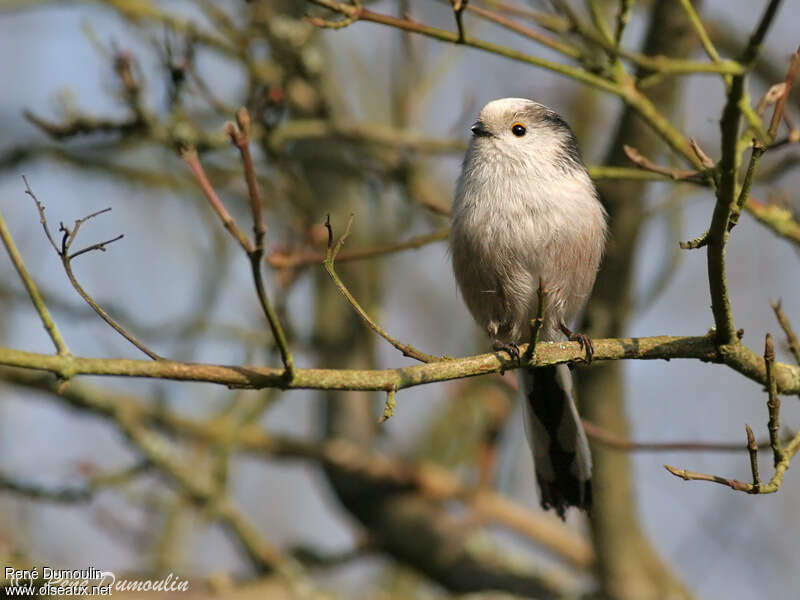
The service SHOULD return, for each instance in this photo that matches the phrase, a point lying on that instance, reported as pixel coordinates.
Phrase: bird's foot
(512, 349)
(584, 340)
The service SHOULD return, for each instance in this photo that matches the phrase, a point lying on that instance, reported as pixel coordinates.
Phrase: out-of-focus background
(371, 121)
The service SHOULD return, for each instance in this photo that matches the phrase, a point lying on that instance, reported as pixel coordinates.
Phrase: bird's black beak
(479, 130)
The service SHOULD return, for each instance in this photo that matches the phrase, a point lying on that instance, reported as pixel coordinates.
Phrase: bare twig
(241, 139)
(388, 407)
(193, 161)
(771, 487)
(704, 158)
(42, 219)
(706, 42)
(786, 325)
(280, 260)
(645, 163)
(405, 24)
(770, 97)
(101, 246)
(458, 12)
(734, 484)
(330, 258)
(537, 323)
(773, 400)
(72, 494)
(617, 442)
(255, 251)
(755, 157)
(759, 149)
(62, 249)
(777, 218)
(558, 45)
(752, 450)
(782, 456)
(84, 125)
(726, 192)
(349, 18)
(623, 16)
(33, 291)
(792, 73)
(548, 20)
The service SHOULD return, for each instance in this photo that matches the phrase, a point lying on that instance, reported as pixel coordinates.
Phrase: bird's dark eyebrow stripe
(572, 153)
(555, 120)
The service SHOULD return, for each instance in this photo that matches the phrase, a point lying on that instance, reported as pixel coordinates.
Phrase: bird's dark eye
(518, 129)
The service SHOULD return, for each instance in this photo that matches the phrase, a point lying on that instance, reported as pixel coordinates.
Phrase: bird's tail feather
(556, 437)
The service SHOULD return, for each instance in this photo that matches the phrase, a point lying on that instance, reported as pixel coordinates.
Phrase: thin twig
(388, 407)
(67, 238)
(645, 163)
(555, 44)
(33, 291)
(349, 19)
(101, 246)
(42, 219)
(623, 16)
(72, 494)
(617, 442)
(698, 151)
(734, 484)
(280, 260)
(758, 148)
(239, 137)
(536, 323)
(782, 456)
(752, 449)
(700, 29)
(661, 66)
(786, 325)
(66, 260)
(458, 11)
(771, 487)
(193, 161)
(773, 401)
(330, 258)
(726, 192)
(755, 157)
(598, 20)
(405, 24)
(792, 73)
(548, 20)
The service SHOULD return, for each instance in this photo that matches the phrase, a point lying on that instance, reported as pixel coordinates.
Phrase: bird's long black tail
(556, 437)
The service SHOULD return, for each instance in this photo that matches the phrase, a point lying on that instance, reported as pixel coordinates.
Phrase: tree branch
(736, 356)
(330, 258)
(30, 286)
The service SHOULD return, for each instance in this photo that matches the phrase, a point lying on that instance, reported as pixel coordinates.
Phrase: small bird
(526, 213)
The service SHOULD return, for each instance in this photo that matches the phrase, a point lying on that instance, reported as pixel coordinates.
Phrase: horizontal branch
(362, 132)
(609, 439)
(363, 14)
(306, 257)
(737, 356)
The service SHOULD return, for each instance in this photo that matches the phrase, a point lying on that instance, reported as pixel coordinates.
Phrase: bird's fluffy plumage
(526, 209)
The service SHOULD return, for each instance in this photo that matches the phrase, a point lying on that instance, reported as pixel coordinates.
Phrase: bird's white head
(516, 127)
